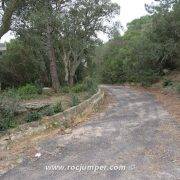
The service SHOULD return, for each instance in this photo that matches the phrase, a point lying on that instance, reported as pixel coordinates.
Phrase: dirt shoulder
(169, 100)
(165, 91)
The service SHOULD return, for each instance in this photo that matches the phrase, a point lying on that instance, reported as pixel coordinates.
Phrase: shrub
(167, 82)
(8, 108)
(78, 88)
(65, 89)
(11, 93)
(51, 110)
(90, 85)
(112, 70)
(33, 116)
(74, 101)
(7, 122)
(57, 108)
(39, 87)
(147, 77)
(6, 119)
(48, 111)
(10, 101)
(28, 91)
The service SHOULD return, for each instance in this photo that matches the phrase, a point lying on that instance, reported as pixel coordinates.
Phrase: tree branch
(7, 16)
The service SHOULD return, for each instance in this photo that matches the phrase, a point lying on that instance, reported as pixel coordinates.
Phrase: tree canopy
(60, 35)
(150, 45)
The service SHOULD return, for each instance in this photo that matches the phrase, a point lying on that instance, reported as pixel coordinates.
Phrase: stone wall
(67, 116)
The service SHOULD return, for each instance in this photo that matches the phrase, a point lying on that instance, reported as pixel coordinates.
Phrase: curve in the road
(134, 134)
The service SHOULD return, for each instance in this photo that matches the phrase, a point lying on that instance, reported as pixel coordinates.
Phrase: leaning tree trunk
(7, 16)
(52, 59)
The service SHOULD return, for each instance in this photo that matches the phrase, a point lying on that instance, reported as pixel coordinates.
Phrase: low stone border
(47, 122)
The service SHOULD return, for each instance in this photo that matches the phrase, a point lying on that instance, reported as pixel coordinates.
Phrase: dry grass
(58, 97)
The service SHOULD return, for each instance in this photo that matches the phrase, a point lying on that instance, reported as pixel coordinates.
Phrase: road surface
(134, 138)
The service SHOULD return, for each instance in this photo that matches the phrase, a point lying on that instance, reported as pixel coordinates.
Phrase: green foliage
(28, 91)
(57, 107)
(112, 72)
(150, 45)
(51, 110)
(7, 117)
(7, 122)
(33, 116)
(65, 89)
(39, 87)
(74, 101)
(47, 111)
(10, 93)
(167, 82)
(90, 85)
(22, 63)
(8, 108)
(78, 88)
(147, 77)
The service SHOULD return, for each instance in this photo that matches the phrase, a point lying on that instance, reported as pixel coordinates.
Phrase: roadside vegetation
(12, 100)
(53, 47)
(147, 52)
(56, 45)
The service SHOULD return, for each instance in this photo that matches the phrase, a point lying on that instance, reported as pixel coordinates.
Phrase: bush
(74, 101)
(39, 87)
(90, 85)
(167, 82)
(65, 89)
(57, 108)
(7, 122)
(147, 78)
(28, 91)
(51, 110)
(33, 116)
(78, 88)
(48, 111)
(6, 119)
(11, 94)
(8, 108)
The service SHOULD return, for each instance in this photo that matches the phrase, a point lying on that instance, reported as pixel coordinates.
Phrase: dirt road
(133, 139)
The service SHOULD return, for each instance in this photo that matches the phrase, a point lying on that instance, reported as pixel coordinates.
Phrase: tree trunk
(66, 67)
(71, 80)
(72, 72)
(52, 59)
(66, 75)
